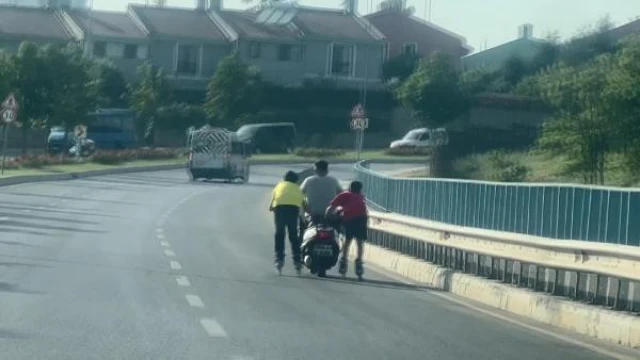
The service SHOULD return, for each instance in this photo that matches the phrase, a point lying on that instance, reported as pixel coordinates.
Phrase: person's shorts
(356, 228)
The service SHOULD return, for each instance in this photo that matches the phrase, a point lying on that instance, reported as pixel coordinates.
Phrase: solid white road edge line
(212, 328)
(448, 297)
(194, 300)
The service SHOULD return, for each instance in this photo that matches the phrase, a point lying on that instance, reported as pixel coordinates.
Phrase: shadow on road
(49, 227)
(15, 243)
(35, 208)
(47, 218)
(25, 231)
(19, 264)
(13, 288)
(70, 198)
(385, 284)
(12, 335)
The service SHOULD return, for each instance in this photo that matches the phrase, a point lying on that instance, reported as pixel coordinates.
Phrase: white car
(423, 137)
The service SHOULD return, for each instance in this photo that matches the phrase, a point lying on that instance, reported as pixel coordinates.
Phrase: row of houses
(291, 44)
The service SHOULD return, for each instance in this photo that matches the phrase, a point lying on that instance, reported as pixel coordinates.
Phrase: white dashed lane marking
(164, 244)
(212, 328)
(194, 300)
(175, 265)
(169, 252)
(159, 230)
(183, 281)
(161, 236)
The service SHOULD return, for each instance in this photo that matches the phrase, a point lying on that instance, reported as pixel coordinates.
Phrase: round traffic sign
(359, 124)
(8, 115)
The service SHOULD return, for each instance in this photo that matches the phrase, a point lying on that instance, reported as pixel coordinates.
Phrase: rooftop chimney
(352, 6)
(525, 31)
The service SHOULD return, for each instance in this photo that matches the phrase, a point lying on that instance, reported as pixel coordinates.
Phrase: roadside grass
(540, 168)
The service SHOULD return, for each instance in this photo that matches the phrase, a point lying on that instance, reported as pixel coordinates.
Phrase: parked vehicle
(216, 153)
(421, 138)
(269, 137)
(108, 129)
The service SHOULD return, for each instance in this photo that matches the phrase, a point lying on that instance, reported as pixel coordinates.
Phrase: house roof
(336, 24)
(625, 30)
(178, 22)
(243, 22)
(525, 48)
(32, 22)
(107, 24)
(387, 13)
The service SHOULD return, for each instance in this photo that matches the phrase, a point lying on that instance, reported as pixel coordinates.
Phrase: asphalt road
(150, 266)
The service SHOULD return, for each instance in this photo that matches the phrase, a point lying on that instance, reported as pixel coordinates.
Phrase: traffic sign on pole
(10, 103)
(8, 116)
(80, 131)
(358, 112)
(359, 123)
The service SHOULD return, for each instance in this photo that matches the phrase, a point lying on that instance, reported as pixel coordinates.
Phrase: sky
(484, 23)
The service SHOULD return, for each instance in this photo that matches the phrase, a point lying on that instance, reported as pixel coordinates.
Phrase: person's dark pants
(286, 219)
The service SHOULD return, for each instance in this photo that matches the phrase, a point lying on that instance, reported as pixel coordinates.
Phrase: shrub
(12, 164)
(157, 153)
(502, 168)
(32, 161)
(319, 153)
(408, 151)
(113, 157)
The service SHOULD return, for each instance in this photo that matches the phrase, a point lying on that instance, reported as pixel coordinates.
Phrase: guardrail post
(576, 291)
(556, 281)
(505, 271)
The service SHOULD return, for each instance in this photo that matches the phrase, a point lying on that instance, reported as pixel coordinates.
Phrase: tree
(147, 97)
(72, 95)
(27, 76)
(396, 6)
(400, 67)
(180, 116)
(623, 94)
(235, 90)
(582, 126)
(514, 70)
(110, 85)
(434, 95)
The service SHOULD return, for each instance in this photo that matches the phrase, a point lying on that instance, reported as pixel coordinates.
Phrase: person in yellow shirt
(286, 201)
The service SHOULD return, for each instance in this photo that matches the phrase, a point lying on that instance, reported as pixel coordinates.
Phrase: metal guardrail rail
(597, 274)
(588, 213)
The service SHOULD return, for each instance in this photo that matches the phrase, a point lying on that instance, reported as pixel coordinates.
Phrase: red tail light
(324, 235)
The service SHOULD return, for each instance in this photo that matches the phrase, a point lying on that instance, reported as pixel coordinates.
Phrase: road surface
(150, 266)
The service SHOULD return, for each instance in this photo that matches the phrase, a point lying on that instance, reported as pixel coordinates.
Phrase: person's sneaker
(298, 267)
(342, 269)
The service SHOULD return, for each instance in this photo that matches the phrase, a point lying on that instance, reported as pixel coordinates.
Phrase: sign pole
(4, 146)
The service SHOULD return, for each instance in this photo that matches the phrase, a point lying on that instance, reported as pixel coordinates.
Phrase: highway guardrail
(598, 274)
(556, 211)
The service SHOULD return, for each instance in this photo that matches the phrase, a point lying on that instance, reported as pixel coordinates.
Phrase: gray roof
(243, 23)
(332, 24)
(107, 24)
(176, 22)
(31, 22)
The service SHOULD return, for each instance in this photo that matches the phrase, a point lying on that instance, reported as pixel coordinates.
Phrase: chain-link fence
(599, 214)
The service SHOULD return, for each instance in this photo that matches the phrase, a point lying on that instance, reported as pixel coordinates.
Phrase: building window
(342, 60)
(410, 49)
(99, 48)
(143, 52)
(254, 50)
(187, 63)
(130, 51)
(284, 52)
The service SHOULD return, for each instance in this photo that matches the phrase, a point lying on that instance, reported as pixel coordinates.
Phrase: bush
(502, 168)
(157, 153)
(408, 151)
(31, 161)
(319, 153)
(114, 157)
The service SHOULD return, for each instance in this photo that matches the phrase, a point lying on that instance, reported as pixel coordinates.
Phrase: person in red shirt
(355, 222)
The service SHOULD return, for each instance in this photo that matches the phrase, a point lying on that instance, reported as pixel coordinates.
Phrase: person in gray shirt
(319, 190)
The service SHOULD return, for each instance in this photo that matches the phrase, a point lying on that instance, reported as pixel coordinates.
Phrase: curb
(599, 323)
(15, 180)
